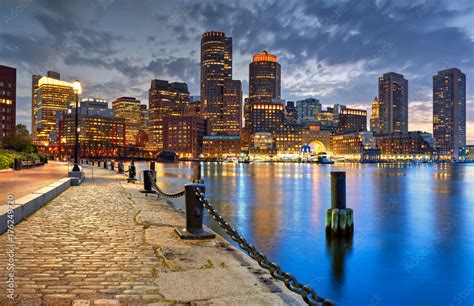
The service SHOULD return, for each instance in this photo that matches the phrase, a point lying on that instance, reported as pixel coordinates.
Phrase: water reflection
(413, 234)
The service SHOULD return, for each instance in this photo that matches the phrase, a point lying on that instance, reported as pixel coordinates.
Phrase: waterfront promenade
(104, 243)
(25, 181)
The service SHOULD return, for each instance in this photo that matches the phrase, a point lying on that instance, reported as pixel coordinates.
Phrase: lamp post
(77, 91)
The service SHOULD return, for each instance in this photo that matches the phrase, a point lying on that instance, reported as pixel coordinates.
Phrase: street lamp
(77, 91)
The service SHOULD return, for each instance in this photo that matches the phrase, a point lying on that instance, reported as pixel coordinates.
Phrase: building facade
(411, 146)
(216, 67)
(221, 146)
(165, 100)
(393, 103)
(232, 111)
(352, 146)
(449, 113)
(7, 102)
(130, 110)
(51, 98)
(352, 120)
(308, 109)
(266, 116)
(375, 117)
(184, 135)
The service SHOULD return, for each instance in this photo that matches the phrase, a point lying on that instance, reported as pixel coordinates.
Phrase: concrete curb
(27, 205)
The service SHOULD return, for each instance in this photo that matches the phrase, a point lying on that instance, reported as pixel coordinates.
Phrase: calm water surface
(414, 226)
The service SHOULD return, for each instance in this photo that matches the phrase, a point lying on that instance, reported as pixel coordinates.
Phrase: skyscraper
(7, 101)
(216, 67)
(393, 103)
(51, 98)
(165, 100)
(129, 108)
(352, 120)
(264, 78)
(375, 117)
(449, 112)
(308, 109)
(232, 111)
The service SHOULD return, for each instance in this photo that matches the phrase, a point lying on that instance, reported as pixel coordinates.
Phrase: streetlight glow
(76, 85)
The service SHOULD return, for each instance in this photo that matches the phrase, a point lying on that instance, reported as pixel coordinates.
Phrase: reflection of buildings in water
(338, 248)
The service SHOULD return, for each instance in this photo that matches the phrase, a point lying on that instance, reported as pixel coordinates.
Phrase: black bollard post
(152, 166)
(98, 163)
(147, 182)
(112, 166)
(197, 174)
(120, 167)
(194, 216)
(132, 173)
(105, 164)
(339, 218)
(338, 190)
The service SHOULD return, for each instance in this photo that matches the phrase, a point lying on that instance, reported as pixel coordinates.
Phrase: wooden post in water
(339, 219)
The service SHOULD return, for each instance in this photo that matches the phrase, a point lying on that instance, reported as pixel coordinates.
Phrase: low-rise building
(351, 146)
(184, 135)
(405, 146)
(220, 146)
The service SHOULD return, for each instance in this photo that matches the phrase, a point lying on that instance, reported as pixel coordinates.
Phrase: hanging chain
(161, 192)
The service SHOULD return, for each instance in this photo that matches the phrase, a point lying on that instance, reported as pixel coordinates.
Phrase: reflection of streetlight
(77, 91)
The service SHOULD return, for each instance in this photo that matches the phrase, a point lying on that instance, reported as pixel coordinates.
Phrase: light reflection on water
(414, 226)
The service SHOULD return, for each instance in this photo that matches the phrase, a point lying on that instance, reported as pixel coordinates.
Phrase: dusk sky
(333, 51)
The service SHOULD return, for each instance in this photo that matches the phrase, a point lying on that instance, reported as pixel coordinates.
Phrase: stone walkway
(104, 243)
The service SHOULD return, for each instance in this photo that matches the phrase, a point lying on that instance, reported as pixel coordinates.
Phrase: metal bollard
(197, 174)
(132, 172)
(194, 216)
(147, 182)
(112, 166)
(338, 190)
(152, 166)
(98, 163)
(105, 164)
(120, 167)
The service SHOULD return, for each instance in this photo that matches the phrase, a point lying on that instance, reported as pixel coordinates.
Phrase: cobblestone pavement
(104, 243)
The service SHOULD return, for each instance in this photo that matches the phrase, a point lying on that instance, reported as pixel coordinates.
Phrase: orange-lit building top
(264, 56)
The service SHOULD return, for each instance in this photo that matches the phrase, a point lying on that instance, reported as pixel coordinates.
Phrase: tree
(20, 140)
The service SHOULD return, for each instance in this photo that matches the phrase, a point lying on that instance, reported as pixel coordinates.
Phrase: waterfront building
(184, 135)
(266, 116)
(7, 102)
(216, 67)
(262, 145)
(51, 98)
(318, 140)
(291, 113)
(352, 120)
(326, 121)
(165, 100)
(405, 146)
(393, 103)
(449, 113)
(308, 109)
(220, 146)
(288, 140)
(129, 108)
(264, 78)
(232, 111)
(352, 146)
(375, 117)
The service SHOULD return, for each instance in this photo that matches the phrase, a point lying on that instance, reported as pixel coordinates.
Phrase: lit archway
(317, 146)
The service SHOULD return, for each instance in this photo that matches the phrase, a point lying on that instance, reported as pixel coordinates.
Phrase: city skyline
(111, 61)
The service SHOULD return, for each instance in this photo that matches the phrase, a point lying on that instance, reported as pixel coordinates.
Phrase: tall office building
(375, 117)
(165, 100)
(291, 113)
(308, 109)
(232, 111)
(7, 102)
(393, 103)
(267, 116)
(352, 120)
(449, 113)
(95, 106)
(129, 108)
(264, 78)
(51, 98)
(216, 67)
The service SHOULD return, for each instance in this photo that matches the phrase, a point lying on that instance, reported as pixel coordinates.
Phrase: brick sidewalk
(104, 242)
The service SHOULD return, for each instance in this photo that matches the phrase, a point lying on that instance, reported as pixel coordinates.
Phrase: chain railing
(161, 192)
(308, 294)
